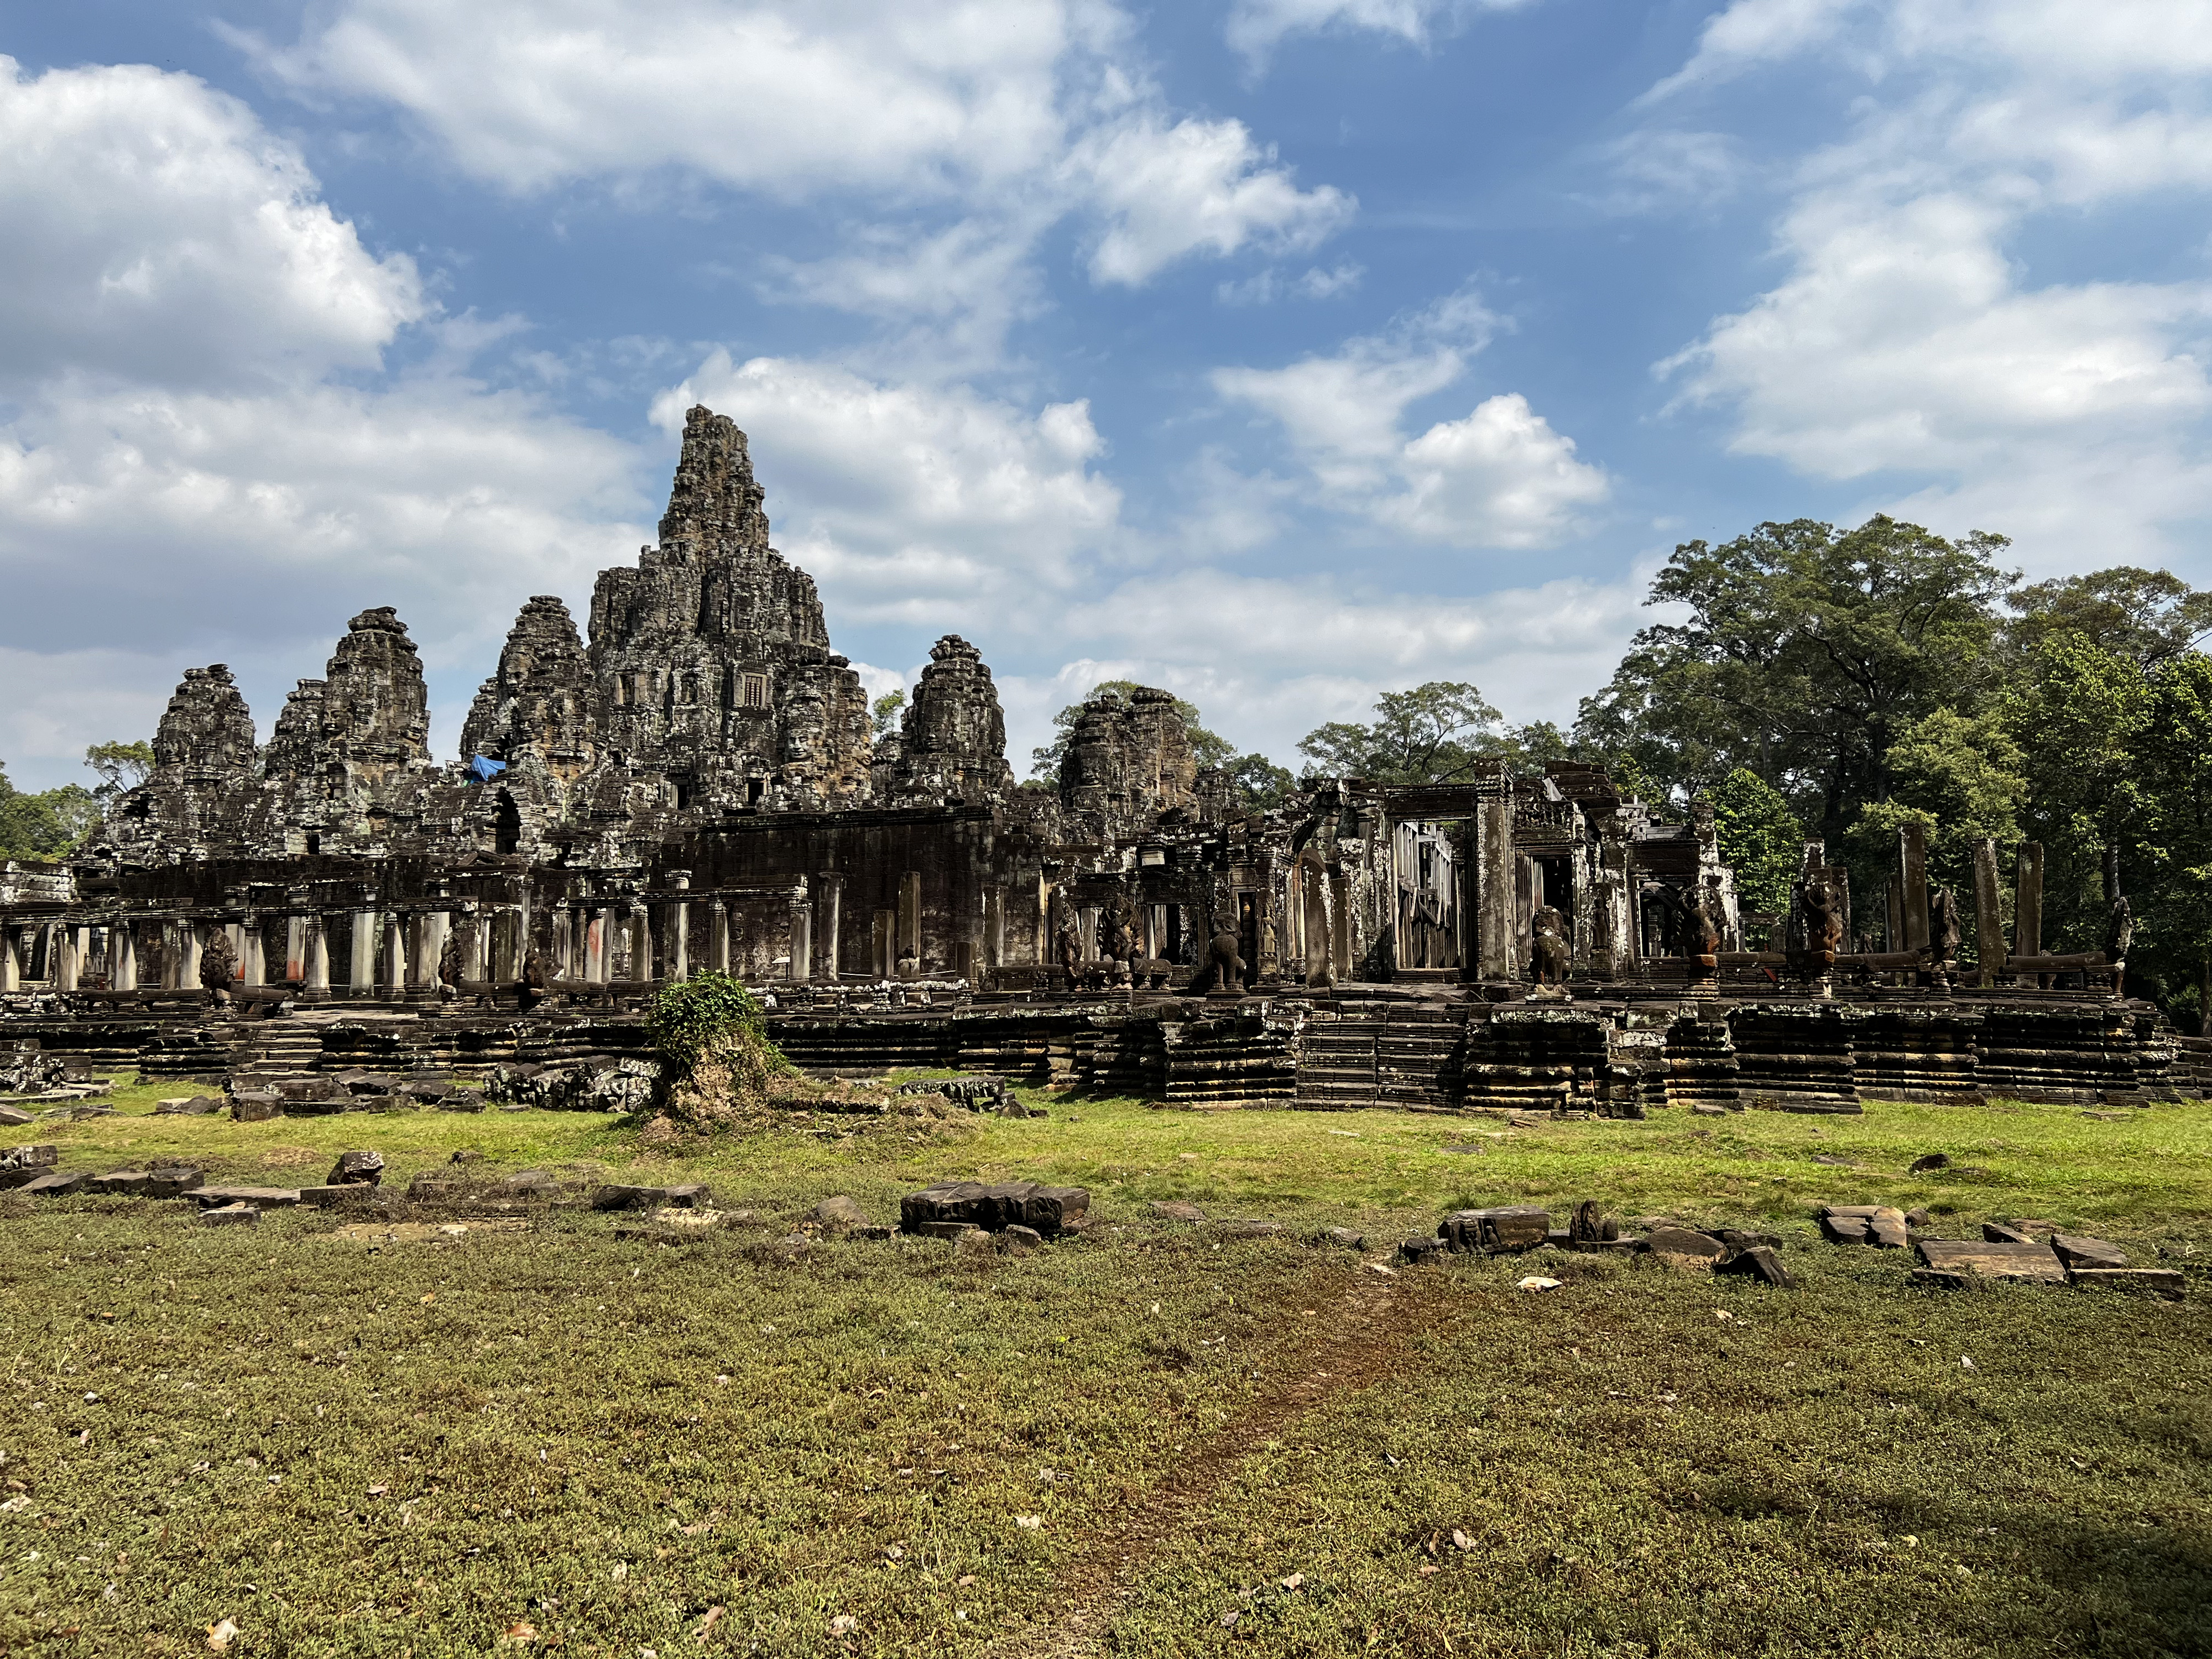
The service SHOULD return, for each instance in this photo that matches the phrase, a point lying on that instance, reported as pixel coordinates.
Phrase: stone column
(1341, 929)
(1498, 955)
(67, 957)
(395, 956)
(640, 945)
(882, 940)
(1989, 912)
(188, 966)
(2027, 902)
(11, 957)
(317, 947)
(361, 964)
(254, 955)
(679, 928)
(831, 904)
(1313, 883)
(718, 935)
(296, 947)
(564, 942)
(600, 946)
(909, 918)
(995, 927)
(122, 955)
(802, 940)
(1912, 872)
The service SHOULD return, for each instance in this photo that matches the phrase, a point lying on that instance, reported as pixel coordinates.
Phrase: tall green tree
(120, 767)
(1760, 840)
(46, 825)
(1803, 655)
(1437, 732)
(2166, 867)
(2148, 616)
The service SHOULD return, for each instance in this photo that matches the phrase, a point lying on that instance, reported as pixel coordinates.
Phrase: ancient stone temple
(693, 783)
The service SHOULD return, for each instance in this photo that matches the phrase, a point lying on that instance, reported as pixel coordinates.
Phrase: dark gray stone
(1759, 1261)
(1511, 1227)
(1049, 1210)
(55, 1184)
(230, 1215)
(2077, 1251)
(357, 1167)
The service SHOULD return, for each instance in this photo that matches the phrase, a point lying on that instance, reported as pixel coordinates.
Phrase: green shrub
(692, 1018)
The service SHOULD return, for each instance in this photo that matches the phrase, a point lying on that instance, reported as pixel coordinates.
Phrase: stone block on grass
(1760, 1262)
(173, 1180)
(255, 1108)
(1679, 1247)
(1507, 1228)
(2156, 1281)
(2077, 1251)
(1984, 1258)
(1880, 1225)
(56, 1184)
(352, 1168)
(230, 1215)
(1049, 1210)
(261, 1198)
(14, 1117)
(353, 1192)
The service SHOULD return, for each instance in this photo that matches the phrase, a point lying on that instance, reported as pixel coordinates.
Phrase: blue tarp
(484, 769)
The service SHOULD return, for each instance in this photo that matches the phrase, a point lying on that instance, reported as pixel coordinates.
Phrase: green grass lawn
(547, 1438)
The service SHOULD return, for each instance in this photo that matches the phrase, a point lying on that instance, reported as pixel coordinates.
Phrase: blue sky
(1280, 352)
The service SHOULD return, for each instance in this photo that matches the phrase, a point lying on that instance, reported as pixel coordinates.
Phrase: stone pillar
(718, 935)
(395, 956)
(802, 940)
(296, 947)
(253, 957)
(316, 947)
(600, 946)
(1341, 925)
(67, 957)
(1313, 881)
(564, 942)
(360, 954)
(883, 942)
(909, 918)
(830, 905)
(122, 955)
(1912, 873)
(1989, 912)
(2027, 902)
(188, 966)
(640, 945)
(1498, 955)
(995, 927)
(11, 957)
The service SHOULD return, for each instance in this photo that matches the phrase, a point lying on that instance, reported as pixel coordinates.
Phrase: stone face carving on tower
(207, 730)
(952, 741)
(295, 746)
(541, 702)
(1128, 762)
(712, 660)
(375, 708)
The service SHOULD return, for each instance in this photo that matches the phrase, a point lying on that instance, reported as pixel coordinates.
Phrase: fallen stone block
(357, 1168)
(1511, 1227)
(1050, 1210)
(2077, 1251)
(255, 1108)
(1176, 1209)
(1997, 1233)
(1347, 1236)
(1877, 1224)
(121, 1183)
(839, 1212)
(1759, 1261)
(1743, 1238)
(976, 1242)
(173, 1180)
(327, 1106)
(462, 1100)
(55, 1184)
(1020, 1238)
(20, 1165)
(2157, 1281)
(1929, 1163)
(1985, 1259)
(14, 1117)
(261, 1198)
(196, 1106)
(230, 1215)
(1416, 1251)
(532, 1183)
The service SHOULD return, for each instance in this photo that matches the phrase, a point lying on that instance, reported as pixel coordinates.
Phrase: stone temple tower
(711, 658)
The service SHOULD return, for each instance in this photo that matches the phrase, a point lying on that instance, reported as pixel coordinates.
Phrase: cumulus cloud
(1908, 337)
(1499, 477)
(1168, 191)
(201, 457)
(1256, 28)
(951, 107)
(154, 230)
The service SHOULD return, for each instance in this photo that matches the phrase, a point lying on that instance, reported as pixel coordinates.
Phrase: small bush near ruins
(717, 1064)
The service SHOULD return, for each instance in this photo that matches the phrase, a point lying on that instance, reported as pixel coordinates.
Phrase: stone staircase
(271, 1054)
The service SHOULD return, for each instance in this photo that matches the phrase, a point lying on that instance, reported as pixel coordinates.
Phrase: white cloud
(154, 230)
(1256, 28)
(1499, 477)
(1168, 191)
(1265, 286)
(1750, 33)
(1909, 337)
(909, 501)
(989, 119)
(184, 478)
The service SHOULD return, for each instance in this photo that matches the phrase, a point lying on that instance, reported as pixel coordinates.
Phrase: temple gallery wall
(691, 781)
